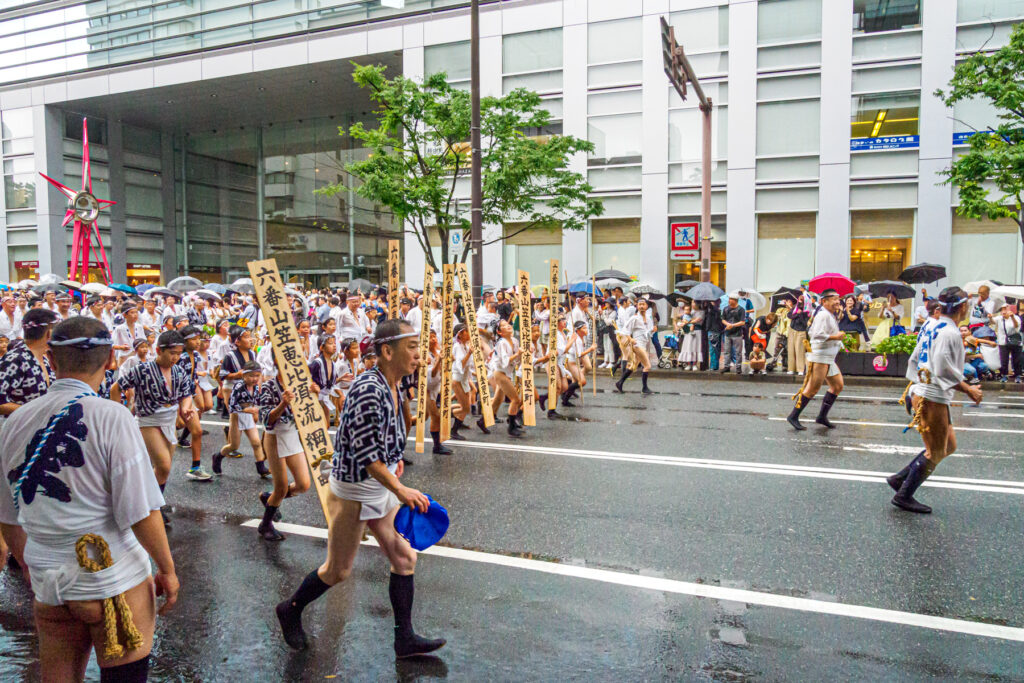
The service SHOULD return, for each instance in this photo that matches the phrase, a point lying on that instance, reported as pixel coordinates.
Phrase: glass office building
(214, 122)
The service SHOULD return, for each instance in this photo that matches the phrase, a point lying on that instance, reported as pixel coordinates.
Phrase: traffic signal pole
(680, 72)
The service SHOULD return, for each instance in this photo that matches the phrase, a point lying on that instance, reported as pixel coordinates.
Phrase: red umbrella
(840, 283)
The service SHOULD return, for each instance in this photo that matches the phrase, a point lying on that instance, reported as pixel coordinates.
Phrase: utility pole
(476, 182)
(680, 72)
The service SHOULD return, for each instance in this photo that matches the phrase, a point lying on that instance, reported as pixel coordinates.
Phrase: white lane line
(1011, 417)
(987, 485)
(984, 485)
(904, 424)
(701, 590)
(895, 399)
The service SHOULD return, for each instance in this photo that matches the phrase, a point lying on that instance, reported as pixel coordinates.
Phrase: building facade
(214, 122)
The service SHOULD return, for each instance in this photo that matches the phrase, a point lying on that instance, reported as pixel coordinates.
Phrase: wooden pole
(447, 330)
(394, 252)
(553, 310)
(421, 388)
(483, 388)
(569, 326)
(294, 373)
(526, 350)
(593, 314)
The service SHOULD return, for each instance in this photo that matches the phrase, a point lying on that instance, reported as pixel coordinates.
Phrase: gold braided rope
(924, 376)
(318, 460)
(133, 639)
(807, 379)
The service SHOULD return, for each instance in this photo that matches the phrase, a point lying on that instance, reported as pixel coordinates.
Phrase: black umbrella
(923, 273)
(48, 287)
(360, 285)
(787, 293)
(686, 284)
(611, 273)
(705, 291)
(883, 287)
(675, 297)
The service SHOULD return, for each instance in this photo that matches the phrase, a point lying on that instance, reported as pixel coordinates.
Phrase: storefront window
(880, 244)
(615, 243)
(988, 10)
(870, 16)
(874, 116)
(785, 249)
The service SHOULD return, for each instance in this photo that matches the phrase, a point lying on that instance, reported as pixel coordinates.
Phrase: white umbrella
(756, 298)
(973, 287)
(96, 288)
(108, 291)
(1009, 291)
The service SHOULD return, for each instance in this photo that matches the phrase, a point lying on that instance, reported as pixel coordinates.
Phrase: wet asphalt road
(699, 484)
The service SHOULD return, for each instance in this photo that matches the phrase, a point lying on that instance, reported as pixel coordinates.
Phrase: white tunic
(504, 357)
(940, 350)
(94, 476)
(823, 349)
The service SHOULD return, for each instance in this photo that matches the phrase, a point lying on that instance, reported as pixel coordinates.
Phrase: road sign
(685, 241)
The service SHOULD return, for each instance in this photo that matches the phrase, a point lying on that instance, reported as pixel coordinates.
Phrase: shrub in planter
(901, 343)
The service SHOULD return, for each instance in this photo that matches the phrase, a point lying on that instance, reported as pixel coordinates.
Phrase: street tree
(996, 154)
(419, 150)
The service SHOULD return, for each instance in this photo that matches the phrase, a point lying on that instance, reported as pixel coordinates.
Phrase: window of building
(614, 41)
(788, 127)
(887, 79)
(73, 129)
(685, 142)
(530, 250)
(984, 250)
(893, 114)
(618, 139)
(875, 47)
(785, 249)
(16, 123)
(988, 10)
(880, 243)
(872, 16)
(533, 60)
(780, 21)
(451, 58)
(615, 243)
(704, 34)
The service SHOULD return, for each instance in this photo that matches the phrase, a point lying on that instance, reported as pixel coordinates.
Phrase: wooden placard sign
(526, 350)
(394, 253)
(554, 311)
(483, 388)
(294, 373)
(447, 332)
(421, 387)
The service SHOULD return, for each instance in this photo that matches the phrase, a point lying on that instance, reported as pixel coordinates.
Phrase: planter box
(873, 364)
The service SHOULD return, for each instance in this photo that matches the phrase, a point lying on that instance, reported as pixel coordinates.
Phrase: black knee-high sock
(436, 438)
(902, 474)
(268, 515)
(643, 378)
(133, 672)
(311, 588)
(826, 404)
(798, 407)
(401, 590)
(918, 470)
(162, 487)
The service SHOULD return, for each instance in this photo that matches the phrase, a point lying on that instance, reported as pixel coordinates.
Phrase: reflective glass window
(885, 115)
(788, 20)
(871, 16)
(532, 51)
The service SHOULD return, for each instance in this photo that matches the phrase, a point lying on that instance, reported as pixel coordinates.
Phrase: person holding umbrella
(826, 343)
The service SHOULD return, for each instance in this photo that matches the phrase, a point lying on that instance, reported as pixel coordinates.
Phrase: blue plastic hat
(422, 530)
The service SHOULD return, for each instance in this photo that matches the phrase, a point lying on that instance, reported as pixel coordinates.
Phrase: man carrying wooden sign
(447, 332)
(556, 313)
(393, 256)
(526, 349)
(424, 398)
(484, 389)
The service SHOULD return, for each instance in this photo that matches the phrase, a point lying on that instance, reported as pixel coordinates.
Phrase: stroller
(669, 352)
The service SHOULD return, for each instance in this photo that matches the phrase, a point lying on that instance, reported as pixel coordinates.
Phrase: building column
(654, 204)
(574, 122)
(118, 247)
(415, 259)
(491, 86)
(832, 236)
(933, 232)
(51, 205)
(741, 228)
(169, 266)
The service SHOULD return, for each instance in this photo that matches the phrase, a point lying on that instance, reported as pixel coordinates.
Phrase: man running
(366, 491)
(826, 342)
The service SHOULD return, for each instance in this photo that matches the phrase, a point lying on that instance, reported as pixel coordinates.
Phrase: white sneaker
(198, 474)
(790, 373)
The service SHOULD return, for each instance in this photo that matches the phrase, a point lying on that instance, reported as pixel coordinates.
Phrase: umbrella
(973, 287)
(184, 284)
(358, 285)
(1009, 291)
(705, 291)
(72, 285)
(107, 291)
(675, 297)
(215, 287)
(48, 287)
(538, 290)
(127, 289)
(612, 283)
(983, 332)
(612, 274)
(160, 291)
(883, 287)
(755, 298)
(49, 279)
(686, 284)
(242, 285)
(27, 284)
(489, 288)
(94, 287)
(422, 530)
(641, 288)
(922, 273)
(207, 295)
(840, 283)
(783, 293)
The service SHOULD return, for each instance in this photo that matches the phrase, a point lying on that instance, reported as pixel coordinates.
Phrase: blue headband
(83, 342)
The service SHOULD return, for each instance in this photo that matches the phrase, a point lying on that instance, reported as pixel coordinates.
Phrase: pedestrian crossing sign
(685, 242)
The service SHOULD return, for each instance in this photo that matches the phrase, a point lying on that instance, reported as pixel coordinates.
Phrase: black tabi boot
(826, 405)
(573, 386)
(483, 426)
(643, 378)
(289, 612)
(798, 407)
(553, 414)
(265, 498)
(262, 470)
(920, 469)
(401, 590)
(895, 481)
(513, 426)
(266, 528)
(626, 372)
(439, 448)
(183, 439)
(456, 426)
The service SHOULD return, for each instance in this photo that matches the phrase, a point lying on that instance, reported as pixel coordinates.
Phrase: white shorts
(245, 421)
(164, 420)
(376, 500)
(206, 385)
(833, 369)
(288, 442)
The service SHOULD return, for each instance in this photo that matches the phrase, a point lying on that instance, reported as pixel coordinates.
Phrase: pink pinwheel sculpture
(84, 209)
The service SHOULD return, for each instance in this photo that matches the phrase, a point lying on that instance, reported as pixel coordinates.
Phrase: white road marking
(701, 590)
(984, 485)
(904, 424)
(894, 400)
(1008, 416)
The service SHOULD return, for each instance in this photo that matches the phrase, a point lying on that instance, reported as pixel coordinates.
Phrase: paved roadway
(687, 535)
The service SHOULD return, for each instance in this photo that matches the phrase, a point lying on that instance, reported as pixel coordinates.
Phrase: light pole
(476, 181)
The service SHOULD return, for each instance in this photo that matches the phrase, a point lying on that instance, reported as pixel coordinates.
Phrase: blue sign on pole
(887, 142)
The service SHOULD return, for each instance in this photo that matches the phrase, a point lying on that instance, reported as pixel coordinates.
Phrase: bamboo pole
(421, 388)
(553, 310)
(483, 388)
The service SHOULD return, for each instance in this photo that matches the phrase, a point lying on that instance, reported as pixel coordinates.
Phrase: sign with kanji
(424, 369)
(394, 253)
(526, 349)
(294, 373)
(474, 344)
(447, 332)
(684, 244)
(555, 313)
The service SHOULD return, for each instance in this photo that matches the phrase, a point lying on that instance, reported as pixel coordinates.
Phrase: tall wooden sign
(483, 388)
(555, 311)
(394, 253)
(526, 350)
(421, 389)
(294, 373)
(447, 332)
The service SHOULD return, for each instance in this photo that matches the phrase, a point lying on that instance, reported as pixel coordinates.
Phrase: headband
(388, 340)
(104, 339)
(954, 304)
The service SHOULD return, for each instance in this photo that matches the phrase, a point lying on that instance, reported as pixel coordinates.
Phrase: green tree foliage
(996, 155)
(420, 148)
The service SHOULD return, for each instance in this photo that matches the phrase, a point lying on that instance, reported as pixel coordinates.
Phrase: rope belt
(113, 649)
(924, 376)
